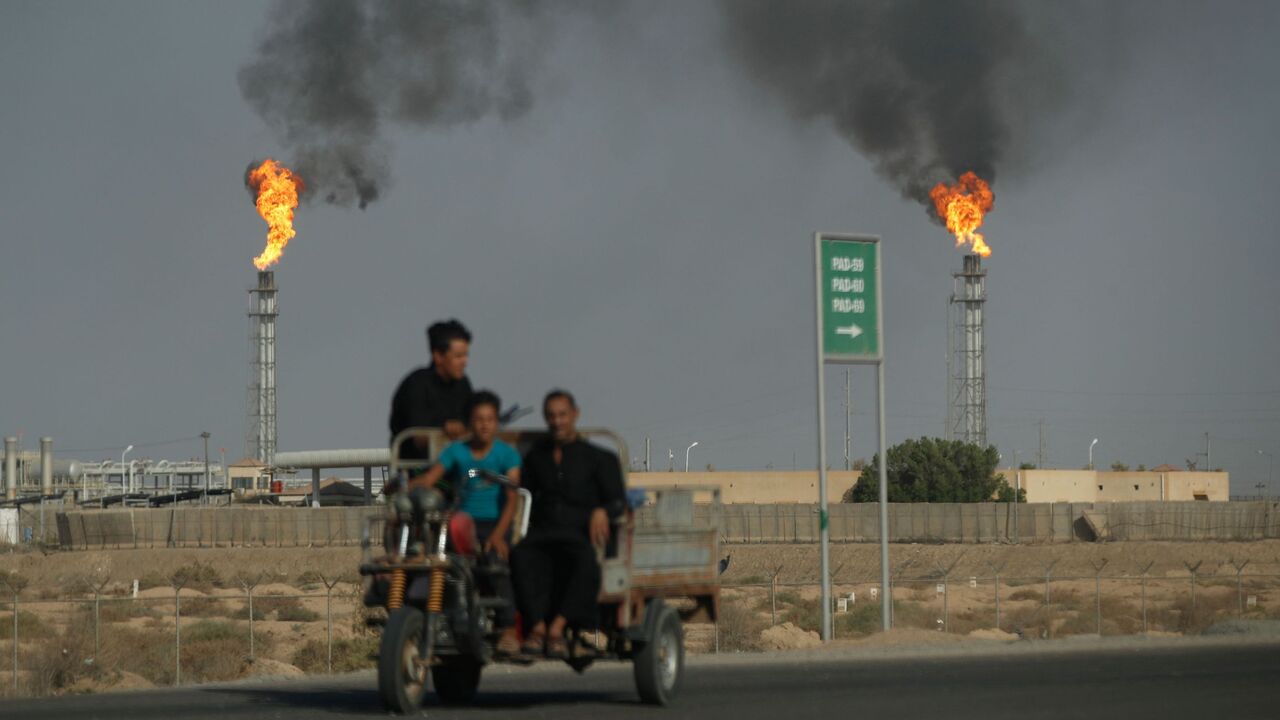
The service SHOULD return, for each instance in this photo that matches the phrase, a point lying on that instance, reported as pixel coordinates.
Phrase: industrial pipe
(11, 468)
(46, 466)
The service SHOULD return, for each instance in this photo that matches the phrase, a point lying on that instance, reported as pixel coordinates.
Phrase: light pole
(686, 455)
(1271, 465)
(122, 484)
(206, 437)
(1095, 442)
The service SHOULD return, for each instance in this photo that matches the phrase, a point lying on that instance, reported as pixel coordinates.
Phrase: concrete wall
(1048, 486)
(772, 486)
(212, 527)
(742, 523)
(1106, 486)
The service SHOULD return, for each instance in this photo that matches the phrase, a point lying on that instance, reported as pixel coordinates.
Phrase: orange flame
(963, 206)
(276, 190)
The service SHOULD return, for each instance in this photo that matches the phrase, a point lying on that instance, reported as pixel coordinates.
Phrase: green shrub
(197, 576)
(739, 627)
(203, 607)
(113, 610)
(30, 627)
(788, 597)
(349, 654)
(284, 608)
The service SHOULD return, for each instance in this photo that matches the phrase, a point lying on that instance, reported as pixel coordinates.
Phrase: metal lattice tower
(966, 366)
(260, 439)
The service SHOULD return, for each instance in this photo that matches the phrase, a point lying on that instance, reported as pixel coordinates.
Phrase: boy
(492, 506)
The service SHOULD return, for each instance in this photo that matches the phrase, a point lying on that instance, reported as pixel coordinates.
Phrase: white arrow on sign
(852, 331)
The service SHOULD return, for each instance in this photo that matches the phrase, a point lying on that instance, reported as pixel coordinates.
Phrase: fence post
(248, 583)
(1239, 584)
(1048, 571)
(178, 580)
(1145, 570)
(773, 596)
(832, 583)
(15, 583)
(946, 586)
(995, 569)
(98, 587)
(1097, 591)
(328, 619)
(15, 643)
(1192, 569)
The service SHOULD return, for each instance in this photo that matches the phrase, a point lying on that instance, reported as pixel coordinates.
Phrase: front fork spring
(395, 590)
(435, 600)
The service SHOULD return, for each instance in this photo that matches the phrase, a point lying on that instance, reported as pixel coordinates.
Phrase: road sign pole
(850, 331)
(886, 593)
(823, 539)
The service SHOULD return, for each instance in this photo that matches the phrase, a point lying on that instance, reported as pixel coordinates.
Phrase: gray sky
(641, 236)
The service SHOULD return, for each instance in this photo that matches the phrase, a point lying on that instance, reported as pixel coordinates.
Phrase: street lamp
(1095, 442)
(122, 484)
(206, 437)
(1271, 465)
(686, 455)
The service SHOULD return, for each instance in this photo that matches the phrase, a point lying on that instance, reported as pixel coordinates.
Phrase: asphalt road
(1164, 682)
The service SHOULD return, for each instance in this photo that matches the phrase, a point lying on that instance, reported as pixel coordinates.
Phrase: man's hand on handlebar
(498, 545)
(599, 527)
(454, 429)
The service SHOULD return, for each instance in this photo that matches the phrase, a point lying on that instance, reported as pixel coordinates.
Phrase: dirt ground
(942, 593)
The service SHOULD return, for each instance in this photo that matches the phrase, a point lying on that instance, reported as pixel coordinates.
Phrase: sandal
(533, 645)
(557, 649)
(508, 645)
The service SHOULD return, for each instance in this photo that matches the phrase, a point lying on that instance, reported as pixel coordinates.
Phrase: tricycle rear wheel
(659, 665)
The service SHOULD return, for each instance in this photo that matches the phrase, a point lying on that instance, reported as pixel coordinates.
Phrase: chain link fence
(115, 635)
(109, 634)
(999, 607)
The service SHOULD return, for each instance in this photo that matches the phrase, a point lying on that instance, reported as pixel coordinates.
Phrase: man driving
(577, 490)
(435, 396)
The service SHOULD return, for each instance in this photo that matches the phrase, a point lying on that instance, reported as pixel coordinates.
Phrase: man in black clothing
(435, 396)
(577, 489)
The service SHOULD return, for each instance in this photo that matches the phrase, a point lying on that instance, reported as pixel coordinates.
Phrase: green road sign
(849, 297)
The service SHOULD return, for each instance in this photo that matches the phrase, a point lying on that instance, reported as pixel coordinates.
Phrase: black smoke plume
(331, 75)
(927, 89)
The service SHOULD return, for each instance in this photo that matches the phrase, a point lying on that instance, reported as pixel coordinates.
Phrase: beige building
(749, 486)
(1107, 486)
(801, 486)
(248, 476)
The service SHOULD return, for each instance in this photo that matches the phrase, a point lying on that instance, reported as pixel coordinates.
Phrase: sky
(641, 235)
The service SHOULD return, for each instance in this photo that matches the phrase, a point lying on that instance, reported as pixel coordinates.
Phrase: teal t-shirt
(480, 499)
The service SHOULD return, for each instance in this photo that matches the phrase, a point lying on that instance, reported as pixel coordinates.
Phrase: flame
(963, 206)
(276, 190)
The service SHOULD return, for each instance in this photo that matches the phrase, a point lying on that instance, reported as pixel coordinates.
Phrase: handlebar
(526, 497)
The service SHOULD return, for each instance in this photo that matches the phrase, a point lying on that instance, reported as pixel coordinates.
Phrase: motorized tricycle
(658, 570)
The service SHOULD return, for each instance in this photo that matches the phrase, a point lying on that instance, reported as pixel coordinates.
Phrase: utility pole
(848, 420)
(1208, 459)
(206, 437)
(646, 453)
(1040, 455)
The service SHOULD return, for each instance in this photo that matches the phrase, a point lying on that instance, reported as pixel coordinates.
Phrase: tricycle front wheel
(659, 665)
(402, 669)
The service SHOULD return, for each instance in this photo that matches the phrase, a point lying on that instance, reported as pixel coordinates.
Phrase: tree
(1119, 467)
(1027, 466)
(1141, 467)
(935, 470)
